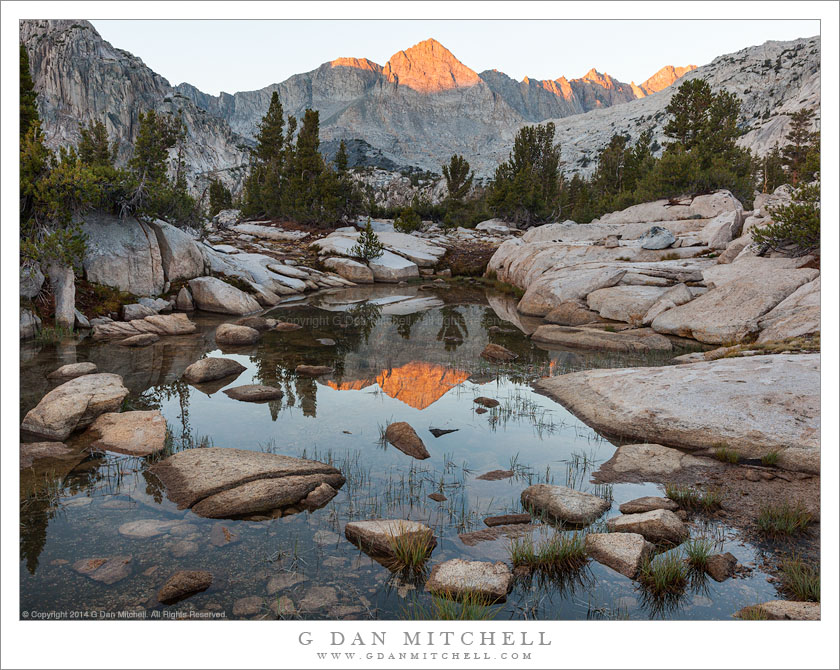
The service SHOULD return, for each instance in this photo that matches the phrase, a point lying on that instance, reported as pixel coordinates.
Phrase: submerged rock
(254, 393)
(457, 578)
(493, 533)
(142, 340)
(647, 504)
(74, 405)
(184, 584)
(285, 326)
(721, 567)
(313, 370)
(496, 352)
(659, 526)
(73, 370)
(623, 552)
(210, 369)
(641, 340)
(404, 438)
(753, 405)
(106, 570)
(133, 433)
(648, 462)
(486, 402)
(36, 451)
(564, 503)
(225, 483)
(507, 519)
(495, 475)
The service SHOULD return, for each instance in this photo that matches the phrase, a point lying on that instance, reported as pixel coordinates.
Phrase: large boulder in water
(211, 369)
(564, 503)
(74, 405)
(404, 438)
(457, 578)
(755, 405)
(133, 433)
(227, 483)
(214, 295)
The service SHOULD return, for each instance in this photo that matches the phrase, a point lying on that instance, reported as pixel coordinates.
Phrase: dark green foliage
(771, 171)
(802, 142)
(783, 519)
(796, 227)
(800, 580)
(94, 149)
(526, 188)
(368, 247)
(407, 221)
(28, 103)
(220, 197)
(459, 180)
(289, 177)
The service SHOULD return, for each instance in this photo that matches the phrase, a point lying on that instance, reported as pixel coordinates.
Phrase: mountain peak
(429, 67)
(358, 63)
(663, 79)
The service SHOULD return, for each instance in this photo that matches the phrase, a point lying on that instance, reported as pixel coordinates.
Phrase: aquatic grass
(558, 554)
(770, 459)
(410, 550)
(783, 519)
(604, 491)
(697, 552)
(753, 613)
(726, 455)
(690, 497)
(469, 606)
(664, 575)
(52, 335)
(800, 580)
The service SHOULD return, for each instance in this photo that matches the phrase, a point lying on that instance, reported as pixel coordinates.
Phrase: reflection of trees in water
(35, 515)
(307, 391)
(453, 325)
(404, 323)
(363, 319)
(179, 390)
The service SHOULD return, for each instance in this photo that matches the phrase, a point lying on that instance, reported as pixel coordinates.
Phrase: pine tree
(220, 197)
(306, 186)
(28, 97)
(94, 149)
(689, 108)
(368, 247)
(800, 140)
(795, 229)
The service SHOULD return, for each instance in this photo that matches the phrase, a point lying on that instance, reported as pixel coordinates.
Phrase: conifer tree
(800, 140)
(28, 98)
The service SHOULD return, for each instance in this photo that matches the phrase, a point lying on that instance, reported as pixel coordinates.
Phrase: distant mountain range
(415, 111)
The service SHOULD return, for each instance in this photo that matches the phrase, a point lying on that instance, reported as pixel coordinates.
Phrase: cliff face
(80, 78)
(418, 109)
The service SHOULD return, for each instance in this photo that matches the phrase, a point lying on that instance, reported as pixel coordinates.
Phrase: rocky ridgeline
(417, 110)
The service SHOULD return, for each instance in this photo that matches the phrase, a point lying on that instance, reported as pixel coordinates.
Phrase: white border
(273, 644)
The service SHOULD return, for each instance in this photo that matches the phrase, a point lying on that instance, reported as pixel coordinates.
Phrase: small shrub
(664, 575)
(770, 459)
(785, 519)
(697, 552)
(368, 247)
(407, 221)
(726, 455)
(796, 227)
(800, 580)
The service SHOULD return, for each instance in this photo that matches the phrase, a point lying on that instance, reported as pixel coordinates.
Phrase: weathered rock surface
(494, 533)
(73, 370)
(30, 324)
(497, 353)
(254, 393)
(642, 339)
(184, 301)
(136, 311)
(133, 433)
(349, 269)
(214, 295)
(486, 402)
(658, 526)
(457, 578)
(729, 312)
(785, 610)
(657, 238)
(721, 567)
(404, 438)
(391, 268)
(798, 314)
(106, 570)
(35, 451)
(563, 503)
(229, 333)
(646, 504)
(210, 369)
(571, 313)
(319, 497)
(74, 405)
(496, 475)
(720, 231)
(256, 322)
(142, 529)
(624, 303)
(157, 324)
(248, 606)
(648, 462)
(224, 483)
(180, 254)
(754, 405)
(183, 584)
(377, 537)
(623, 552)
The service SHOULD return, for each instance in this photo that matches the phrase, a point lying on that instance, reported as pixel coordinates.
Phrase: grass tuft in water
(556, 555)
(410, 550)
(697, 552)
(753, 613)
(800, 580)
(466, 607)
(690, 497)
(664, 575)
(783, 519)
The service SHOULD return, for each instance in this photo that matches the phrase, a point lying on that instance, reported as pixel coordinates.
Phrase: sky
(226, 55)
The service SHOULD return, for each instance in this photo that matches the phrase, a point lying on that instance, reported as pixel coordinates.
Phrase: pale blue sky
(232, 56)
